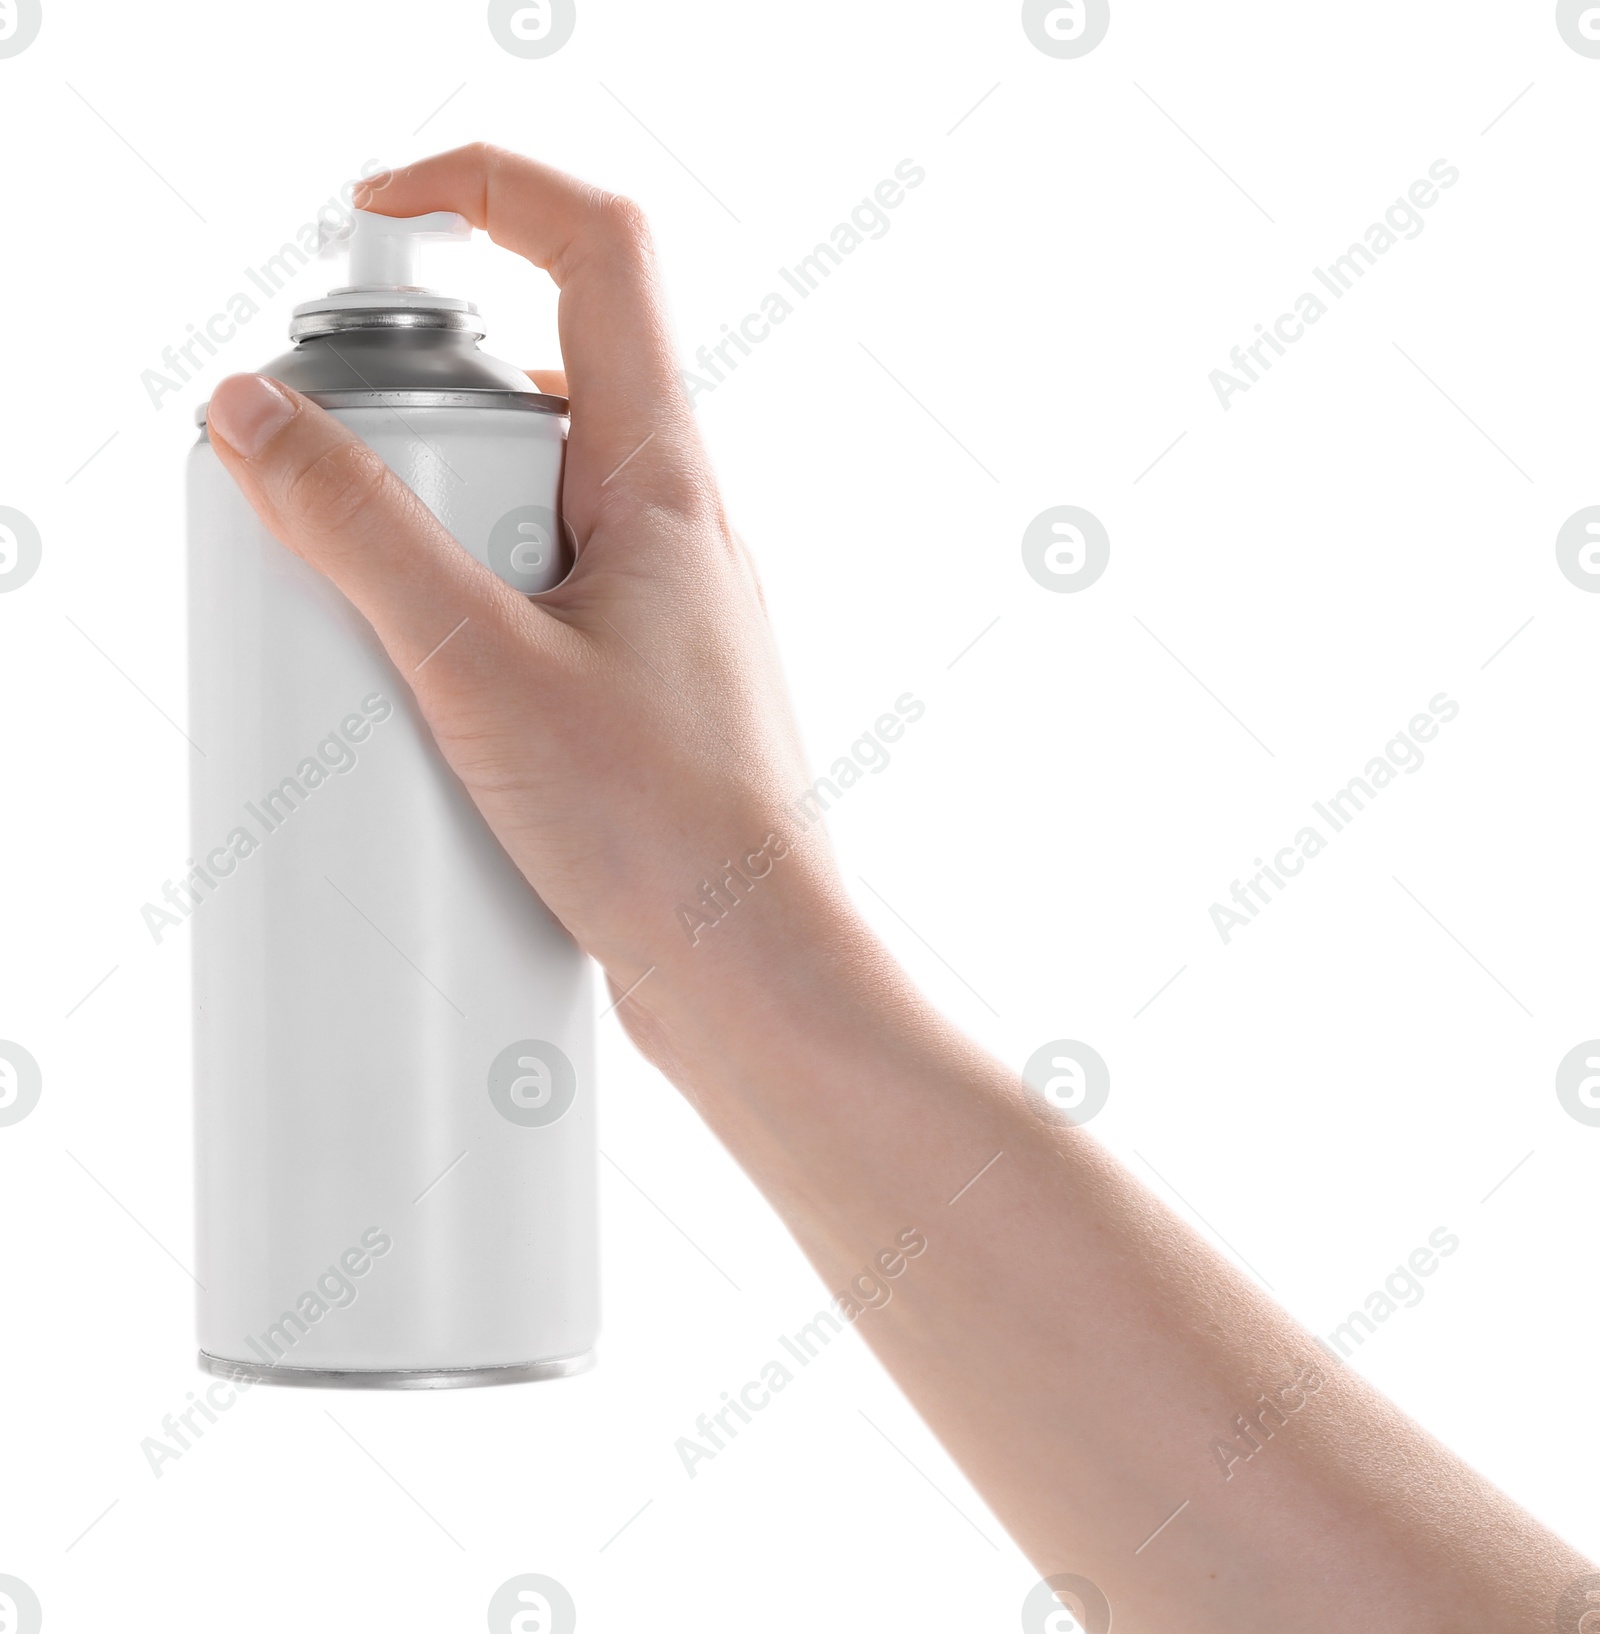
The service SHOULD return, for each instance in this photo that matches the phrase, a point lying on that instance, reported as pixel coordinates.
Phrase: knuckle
(339, 488)
(621, 219)
(610, 229)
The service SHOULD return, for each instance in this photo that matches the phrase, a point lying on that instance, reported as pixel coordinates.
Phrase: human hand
(627, 732)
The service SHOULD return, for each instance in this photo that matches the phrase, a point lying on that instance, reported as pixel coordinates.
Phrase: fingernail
(246, 411)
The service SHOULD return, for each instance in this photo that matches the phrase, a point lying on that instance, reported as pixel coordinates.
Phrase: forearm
(1081, 1353)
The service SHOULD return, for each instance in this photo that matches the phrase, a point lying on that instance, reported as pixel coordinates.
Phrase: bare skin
(1074, 1345)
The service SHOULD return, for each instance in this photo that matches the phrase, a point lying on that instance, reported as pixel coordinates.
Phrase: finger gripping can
(394, 1052)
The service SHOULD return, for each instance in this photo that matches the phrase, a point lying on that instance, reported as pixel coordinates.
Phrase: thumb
(330, 498)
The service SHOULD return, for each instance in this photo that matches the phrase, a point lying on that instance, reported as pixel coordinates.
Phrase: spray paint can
(394, 1052)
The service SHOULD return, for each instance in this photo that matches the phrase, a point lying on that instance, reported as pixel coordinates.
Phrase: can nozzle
(381, 291)
(385, 251)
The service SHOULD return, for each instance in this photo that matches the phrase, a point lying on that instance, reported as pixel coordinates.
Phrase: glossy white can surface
(394, 1052)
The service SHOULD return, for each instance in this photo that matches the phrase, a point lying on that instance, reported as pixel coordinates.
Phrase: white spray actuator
(394, 1050)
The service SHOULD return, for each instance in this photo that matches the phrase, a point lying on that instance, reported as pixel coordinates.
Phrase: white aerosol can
(394, 1052)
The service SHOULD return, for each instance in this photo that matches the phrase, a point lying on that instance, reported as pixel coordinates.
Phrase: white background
(1331, 552)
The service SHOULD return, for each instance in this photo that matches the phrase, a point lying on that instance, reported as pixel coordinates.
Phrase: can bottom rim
(404, 1378)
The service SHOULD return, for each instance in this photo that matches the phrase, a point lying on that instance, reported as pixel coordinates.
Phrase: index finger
(615, 340)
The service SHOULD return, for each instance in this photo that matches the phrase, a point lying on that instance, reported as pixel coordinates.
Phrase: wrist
(752, 967)
(796, 1035)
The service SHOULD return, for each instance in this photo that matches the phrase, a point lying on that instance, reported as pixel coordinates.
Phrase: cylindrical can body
(394, 1051)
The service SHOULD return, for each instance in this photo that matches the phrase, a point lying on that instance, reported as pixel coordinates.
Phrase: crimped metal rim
(445, 1378)
(344, 320)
